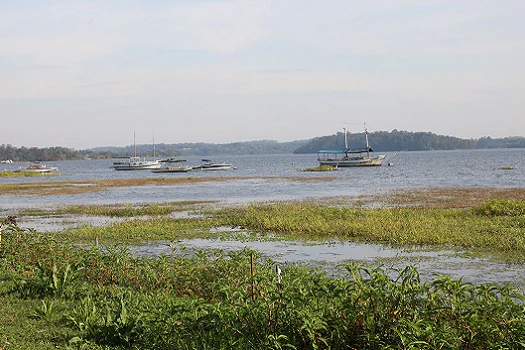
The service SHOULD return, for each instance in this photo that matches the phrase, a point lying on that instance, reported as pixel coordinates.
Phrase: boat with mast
(136, 163)
(348, 157)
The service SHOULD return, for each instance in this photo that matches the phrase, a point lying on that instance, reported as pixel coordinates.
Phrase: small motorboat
(208, 166)
(36, 167)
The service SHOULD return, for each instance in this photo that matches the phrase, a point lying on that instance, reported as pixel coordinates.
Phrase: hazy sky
(81, 74)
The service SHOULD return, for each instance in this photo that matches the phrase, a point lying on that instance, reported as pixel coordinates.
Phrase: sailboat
(136, 163)
(347, 157)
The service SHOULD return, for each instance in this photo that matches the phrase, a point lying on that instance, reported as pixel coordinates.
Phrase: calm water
(472, 168)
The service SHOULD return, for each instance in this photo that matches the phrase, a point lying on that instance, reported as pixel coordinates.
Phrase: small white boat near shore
(208, 165)
(36, 167)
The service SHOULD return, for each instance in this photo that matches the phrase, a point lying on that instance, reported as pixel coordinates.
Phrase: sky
(83, 74)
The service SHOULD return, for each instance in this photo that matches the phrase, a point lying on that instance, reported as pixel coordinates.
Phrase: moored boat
(136, 163)
(208, 165)
(347, 157)
(36, 167)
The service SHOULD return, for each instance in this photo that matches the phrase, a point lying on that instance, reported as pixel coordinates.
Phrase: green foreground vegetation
(58, 294)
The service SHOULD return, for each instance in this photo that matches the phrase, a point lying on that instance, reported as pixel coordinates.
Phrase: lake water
(466, 168)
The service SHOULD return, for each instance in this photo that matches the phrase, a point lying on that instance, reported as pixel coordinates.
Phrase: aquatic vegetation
(463, 228)
(321, 168)
(141, 230)
(131, 210)
(107, 298)
(78, 187)
(7, 173)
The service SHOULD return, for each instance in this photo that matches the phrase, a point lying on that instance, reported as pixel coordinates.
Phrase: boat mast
(134, 146)
(153, 146)
(346, 138)
(366, 141)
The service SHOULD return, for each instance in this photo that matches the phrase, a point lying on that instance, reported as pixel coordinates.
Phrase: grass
(140, 231)
(7, 173)
(78, 187)
(57, 295)
(496, 226)
(321, 168)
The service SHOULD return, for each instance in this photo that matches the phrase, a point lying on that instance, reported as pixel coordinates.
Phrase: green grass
(137, 230)
(320, 168)
(6, 173)
(53, 294)
(497, 226)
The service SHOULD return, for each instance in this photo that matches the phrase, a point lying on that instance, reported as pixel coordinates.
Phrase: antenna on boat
(134, 146)
(153, 146)
(366, 140)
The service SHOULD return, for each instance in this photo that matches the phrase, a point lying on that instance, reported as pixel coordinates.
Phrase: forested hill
(395, 140)
(206, 149)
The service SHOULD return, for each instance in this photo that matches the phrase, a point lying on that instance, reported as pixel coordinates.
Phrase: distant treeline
(381, 141)
(206, 149)
(397, 140)
(32, 154)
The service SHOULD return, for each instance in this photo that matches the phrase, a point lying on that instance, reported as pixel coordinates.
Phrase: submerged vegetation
(77, 187)
(56, 295)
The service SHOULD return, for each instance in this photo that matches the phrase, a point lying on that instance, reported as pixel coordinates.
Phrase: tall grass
(109, 298)
(497, 226)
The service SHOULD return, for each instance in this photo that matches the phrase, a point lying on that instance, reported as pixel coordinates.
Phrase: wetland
(152, 262)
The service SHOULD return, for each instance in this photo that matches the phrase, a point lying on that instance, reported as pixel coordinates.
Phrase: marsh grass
(142, 230)
(110, 299)
(503, 235)
(320, 168)
(7, 173)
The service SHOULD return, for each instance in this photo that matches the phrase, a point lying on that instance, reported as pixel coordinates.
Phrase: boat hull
(172, 170)
(358, 162)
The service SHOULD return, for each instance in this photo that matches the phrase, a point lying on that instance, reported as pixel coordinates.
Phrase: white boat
(347, 157)
(136, 163)
(208, 165)
(174, 169)
(6, 161)
(36, 167)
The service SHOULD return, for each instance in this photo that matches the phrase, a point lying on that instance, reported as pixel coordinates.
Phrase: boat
(174, 169)
(6, 161)
(172, 160)
(208, 165)
(36, 167)
(348, 157)
(137, 163)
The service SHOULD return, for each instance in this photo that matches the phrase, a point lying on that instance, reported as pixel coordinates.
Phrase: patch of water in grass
(331, 255)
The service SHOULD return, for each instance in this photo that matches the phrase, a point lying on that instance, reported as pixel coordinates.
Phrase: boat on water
(137, 163)
(208, 165)
(6, 161)
(173, 169)
(36, 167)
(347, 157)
